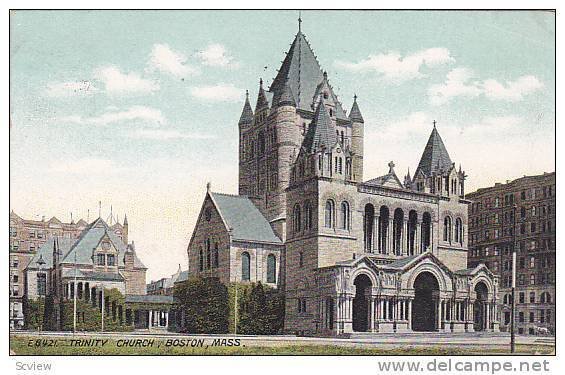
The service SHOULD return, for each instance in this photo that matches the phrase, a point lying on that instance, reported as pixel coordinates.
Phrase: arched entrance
(479, 307)
(424, 307)
(361, 303)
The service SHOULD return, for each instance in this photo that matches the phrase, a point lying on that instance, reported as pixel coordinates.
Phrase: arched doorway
(424, 307)
(361, 304)
(479, 307)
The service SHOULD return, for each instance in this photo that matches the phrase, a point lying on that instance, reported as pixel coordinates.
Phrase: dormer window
(111, 260)
(101, 259)
(325, 95)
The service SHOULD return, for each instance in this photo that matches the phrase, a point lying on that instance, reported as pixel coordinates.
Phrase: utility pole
(513, 308)
(235, 311)
(103, 307)
(41, 291)
(75, 289)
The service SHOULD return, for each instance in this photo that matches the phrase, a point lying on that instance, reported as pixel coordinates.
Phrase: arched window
(271, 269)
(216, 256)
(208, 254)
(458, 231)
(261, 143)
(296, 218)
(245, 266)
(201, 259)
(447, 229)
(330, 214)
(308, 216)
(345, 215)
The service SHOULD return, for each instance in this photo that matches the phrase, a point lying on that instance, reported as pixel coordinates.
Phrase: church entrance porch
(425, 307)
(361, 309)
(480, 308)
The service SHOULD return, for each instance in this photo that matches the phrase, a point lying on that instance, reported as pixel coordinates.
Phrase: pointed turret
(262, 101)
(246, 117)
(355, 113)
(408, 180)
(286, 97)
(322, 132)
(435, 158)
(126, 230)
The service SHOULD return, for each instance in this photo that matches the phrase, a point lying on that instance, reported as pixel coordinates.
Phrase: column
(371, 314)
(439, 320)
(417, 238)
(432, 236)
(382, 309)
(390, 236)
(409, 314)
(404, 238)
(375, 239)
(150, 320)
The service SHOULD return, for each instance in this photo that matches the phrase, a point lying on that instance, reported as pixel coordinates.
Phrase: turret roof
(247, 113)
(435, 158)
(321, 131)
(355, 113)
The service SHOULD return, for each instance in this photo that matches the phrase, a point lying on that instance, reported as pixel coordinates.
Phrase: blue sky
(139, 109)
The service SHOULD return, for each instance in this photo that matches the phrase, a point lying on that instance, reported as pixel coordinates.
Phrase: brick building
(519, 213)
(377, 255)
(26, 237)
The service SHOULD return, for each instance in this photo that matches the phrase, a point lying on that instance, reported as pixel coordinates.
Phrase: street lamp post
(40, 262)
(513, 305)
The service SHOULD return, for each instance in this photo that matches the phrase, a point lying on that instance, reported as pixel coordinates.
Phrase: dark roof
(247, 113)
(355, 113)
(301, 71)
(286, 97)
(389, 179)
(149, 298)
(435, 158)
(262, 100)
(93, 275)
(403, 261)
(182, 277)
(46, 252)
(243, 218)
(321, 131)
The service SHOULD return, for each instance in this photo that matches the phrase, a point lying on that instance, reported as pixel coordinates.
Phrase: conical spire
(125, 219)
(262, 101)
(246, 117)
(321, 131)
(355, 113)
(287, 97)
(435, 157)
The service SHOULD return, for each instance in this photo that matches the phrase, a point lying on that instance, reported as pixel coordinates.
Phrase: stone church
(350, 254)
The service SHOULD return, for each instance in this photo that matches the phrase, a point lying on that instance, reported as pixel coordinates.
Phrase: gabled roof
(89, 240)
(244, 221)
(182, 277)
(46, 252)
(435, 158)
(246, 117)
(301, 71)
(473, 271)
(390, 179)
(321, 131)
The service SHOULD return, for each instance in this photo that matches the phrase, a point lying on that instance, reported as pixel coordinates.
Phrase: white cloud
(221, 92)
(167, 134)
(512, 91)
(216, 55)
(139, 113)
(164, 59)
(69, 89)
(118, 83)
(459, 83)
(85, 166)
(393, 67)
(456, 84)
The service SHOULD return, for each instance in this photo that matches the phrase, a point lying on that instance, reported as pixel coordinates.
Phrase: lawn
(25, 345)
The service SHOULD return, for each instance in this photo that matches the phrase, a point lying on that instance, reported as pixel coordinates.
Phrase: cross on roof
(299, 20)
(434, 123)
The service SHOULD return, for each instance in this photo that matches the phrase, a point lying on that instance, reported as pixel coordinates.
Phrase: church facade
(351, 255)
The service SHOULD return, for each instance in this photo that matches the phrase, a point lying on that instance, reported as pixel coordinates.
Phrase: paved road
(487, 340)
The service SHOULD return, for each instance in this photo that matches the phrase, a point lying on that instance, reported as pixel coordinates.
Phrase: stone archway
(361, 303)
(479, 307)
(425, 305)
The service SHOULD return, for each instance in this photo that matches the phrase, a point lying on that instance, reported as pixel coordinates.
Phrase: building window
(330, 214)
(301, 259)
(532, 317)
(271, 269)
(296, 218)
(532, 297)
(111, 260)
(447, 229)
(532, 279)
(216, 256)
(201, 259)
(245, 266)
(208, 254)
(41, 284)
(459, 231)
(522, 298)
(13, 231)
(307, 216)
(345, 215)
(101, 259)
